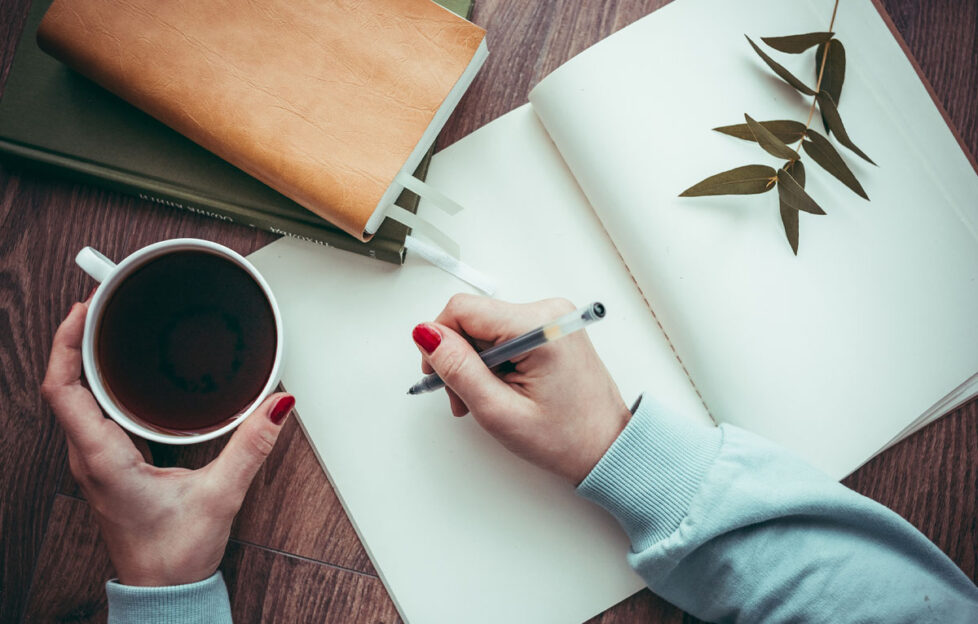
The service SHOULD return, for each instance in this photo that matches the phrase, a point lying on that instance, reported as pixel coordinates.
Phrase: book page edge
(428, 138)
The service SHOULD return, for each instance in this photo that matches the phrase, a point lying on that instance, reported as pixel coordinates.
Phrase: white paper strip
(451, 265)
(429, 193)
(428, 230)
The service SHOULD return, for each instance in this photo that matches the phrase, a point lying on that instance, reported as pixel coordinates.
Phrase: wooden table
(293, 555)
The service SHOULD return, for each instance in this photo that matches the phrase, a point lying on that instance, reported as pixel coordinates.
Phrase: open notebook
(865, 335)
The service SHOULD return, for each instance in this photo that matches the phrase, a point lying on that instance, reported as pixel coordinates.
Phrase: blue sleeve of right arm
(730, 527)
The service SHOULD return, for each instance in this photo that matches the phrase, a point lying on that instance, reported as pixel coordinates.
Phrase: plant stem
(818, 83)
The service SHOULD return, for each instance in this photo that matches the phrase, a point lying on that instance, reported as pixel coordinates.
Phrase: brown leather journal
(326, 101)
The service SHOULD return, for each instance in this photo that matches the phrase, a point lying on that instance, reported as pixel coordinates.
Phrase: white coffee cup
(110, 276)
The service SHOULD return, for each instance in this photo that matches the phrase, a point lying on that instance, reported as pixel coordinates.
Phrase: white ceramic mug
(110, 276)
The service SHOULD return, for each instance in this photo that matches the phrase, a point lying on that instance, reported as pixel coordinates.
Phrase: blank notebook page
(833, 352)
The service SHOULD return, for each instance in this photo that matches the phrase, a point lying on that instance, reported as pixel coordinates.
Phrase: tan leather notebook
(326, 101)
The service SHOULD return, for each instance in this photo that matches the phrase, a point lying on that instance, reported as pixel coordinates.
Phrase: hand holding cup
(162, 526)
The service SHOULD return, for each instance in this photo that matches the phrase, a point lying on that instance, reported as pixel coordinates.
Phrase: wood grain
(264, 586)
(269, 587)
(292, 507)
(73, 565)
(294, 555)
(641, 607)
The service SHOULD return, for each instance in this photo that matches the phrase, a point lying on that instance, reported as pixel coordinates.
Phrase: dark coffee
(187, 341)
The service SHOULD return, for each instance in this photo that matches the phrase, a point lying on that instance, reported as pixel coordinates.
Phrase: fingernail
(71, 309)
(426, 337)
(281, 409)
(91, 293)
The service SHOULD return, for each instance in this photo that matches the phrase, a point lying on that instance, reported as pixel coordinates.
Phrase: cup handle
(95, 264)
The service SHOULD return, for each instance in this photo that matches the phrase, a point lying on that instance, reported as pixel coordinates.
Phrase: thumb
(459, 366)
(250, 444)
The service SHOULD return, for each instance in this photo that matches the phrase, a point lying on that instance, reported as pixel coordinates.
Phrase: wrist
(601, 438)
(649, 476)
(137, 578)
(143, 565)
(160, 574)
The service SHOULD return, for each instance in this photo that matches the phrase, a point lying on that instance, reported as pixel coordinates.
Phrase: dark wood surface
(294, 556)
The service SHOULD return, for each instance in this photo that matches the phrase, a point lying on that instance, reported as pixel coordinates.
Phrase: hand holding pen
(556, 407)
(505, 351)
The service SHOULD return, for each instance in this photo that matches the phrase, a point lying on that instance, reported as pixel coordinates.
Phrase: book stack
(54, 119)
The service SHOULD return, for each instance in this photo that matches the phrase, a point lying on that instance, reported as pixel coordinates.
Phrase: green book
(54, 119)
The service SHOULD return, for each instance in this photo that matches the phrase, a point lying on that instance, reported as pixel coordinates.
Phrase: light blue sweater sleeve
(203, 602)
(730, 527)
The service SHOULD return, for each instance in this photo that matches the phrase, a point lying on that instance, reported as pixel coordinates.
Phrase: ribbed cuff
(201, 602)
(648, 477)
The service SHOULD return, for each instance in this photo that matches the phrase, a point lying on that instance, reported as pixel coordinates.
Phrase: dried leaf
(793, 195)
(778, 69)
(822, 152)
(835, 70)
(797, 171)
(789, 216)
(770, 143)
(834, 122)
(786, 130)
(796, 44)
(746, 180)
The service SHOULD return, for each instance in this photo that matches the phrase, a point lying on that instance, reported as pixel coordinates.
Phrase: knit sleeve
(203, 602)
(730, 527)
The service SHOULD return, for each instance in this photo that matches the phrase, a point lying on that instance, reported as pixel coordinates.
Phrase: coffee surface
(187, 341)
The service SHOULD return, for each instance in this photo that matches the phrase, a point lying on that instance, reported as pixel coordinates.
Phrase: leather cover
(323, 100)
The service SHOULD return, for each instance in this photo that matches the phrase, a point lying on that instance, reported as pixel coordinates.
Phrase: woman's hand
(162, 526)
(557, 406)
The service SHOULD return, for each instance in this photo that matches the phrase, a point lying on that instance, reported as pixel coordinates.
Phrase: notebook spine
(160, 192)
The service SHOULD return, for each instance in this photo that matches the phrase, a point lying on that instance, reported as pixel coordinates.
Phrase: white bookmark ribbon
(450, 265)
(426, 229)
(429, 193)
(442, 251)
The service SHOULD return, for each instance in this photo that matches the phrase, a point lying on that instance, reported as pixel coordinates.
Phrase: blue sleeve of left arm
(203, 602)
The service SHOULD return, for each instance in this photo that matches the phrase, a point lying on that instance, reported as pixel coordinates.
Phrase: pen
(505, 351)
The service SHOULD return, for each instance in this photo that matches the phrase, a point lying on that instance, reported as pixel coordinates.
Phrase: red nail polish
(427, 337)
(281, 409)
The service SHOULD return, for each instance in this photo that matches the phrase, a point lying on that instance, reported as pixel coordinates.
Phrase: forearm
(204, 602)
(728, 527)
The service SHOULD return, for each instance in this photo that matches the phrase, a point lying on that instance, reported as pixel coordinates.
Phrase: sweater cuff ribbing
(650, 474)
(200, 602)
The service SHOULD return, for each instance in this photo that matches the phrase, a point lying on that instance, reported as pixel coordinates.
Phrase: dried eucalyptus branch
(775, 136)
